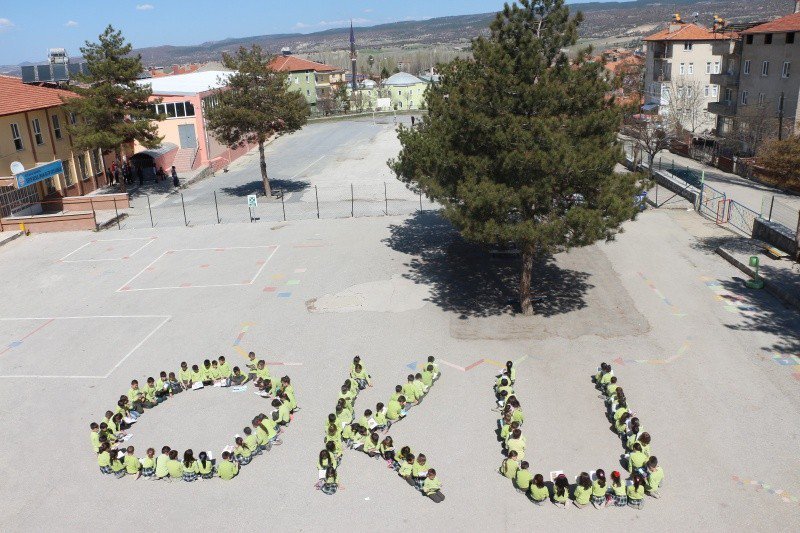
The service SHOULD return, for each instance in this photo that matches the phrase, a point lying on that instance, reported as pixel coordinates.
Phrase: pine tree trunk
(118, 159)
(525, 300)
(263, 165)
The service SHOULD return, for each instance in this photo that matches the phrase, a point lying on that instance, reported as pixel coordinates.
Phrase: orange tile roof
(690, 32)
(297, 64)
(19, 97)
(788, 23)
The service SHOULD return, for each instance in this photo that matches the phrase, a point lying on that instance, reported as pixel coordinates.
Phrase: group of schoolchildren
(118, 460)
(646, 475)
(342, 430)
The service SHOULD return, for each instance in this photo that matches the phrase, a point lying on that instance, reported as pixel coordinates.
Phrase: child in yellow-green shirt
(149, 464)
(432, 487)
(131, 463)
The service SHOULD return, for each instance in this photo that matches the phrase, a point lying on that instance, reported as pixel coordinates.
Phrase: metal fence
(712, 203)
(190, 208)
(741, 217)
(781, 213)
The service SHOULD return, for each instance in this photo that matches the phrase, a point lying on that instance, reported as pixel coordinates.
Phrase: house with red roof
(680, 62)
(313, 80)
(39, 166)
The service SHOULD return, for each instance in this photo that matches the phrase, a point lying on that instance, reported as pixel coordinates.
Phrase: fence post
(352, 201)
(250, 211)
(216, 207)
(385, 199)
(150, 210)
(94, 216)
(183, 204)
(283, 206)
(115, 211)
(771, 204)
(420, 200)
(656, 194)
(316, 194)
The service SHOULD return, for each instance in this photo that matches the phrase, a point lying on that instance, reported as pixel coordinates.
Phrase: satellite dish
(16, 167)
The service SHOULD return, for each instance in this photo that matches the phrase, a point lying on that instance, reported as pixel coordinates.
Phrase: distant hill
(609, 19)
(602, 20)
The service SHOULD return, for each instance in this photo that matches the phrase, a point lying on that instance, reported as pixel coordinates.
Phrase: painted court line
(149, 240)
(127, 288)
(675, 311)
(49, 319)
(18, 342)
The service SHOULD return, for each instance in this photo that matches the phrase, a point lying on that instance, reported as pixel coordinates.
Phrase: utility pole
(780, 118)
(353, 55)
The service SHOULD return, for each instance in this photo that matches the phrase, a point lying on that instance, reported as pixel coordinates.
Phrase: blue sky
(26, 32)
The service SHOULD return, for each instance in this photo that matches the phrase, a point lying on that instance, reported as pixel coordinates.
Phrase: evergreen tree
(519, 145)
(256, 104)
(113, 109)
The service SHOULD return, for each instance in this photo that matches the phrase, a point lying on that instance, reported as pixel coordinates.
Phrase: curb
(7, 239)
(772, 288)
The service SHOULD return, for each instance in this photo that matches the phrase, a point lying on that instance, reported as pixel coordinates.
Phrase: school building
(43, 179)
(187, 144)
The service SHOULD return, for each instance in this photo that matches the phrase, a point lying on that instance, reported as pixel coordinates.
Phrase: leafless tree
(686, 108)
(650, 135)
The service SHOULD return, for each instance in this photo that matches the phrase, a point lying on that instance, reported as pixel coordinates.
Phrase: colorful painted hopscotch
(283, 292)
(760, 485)
(681, 351)
(733, 302)
(790, 361)
(675, 311)
(413, 365)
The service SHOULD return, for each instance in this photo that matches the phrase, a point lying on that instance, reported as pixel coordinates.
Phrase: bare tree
(754, 126)
(650, 135)
(686, 108)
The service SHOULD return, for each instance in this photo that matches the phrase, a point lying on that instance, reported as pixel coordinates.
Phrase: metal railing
(781, 213)
(186, 208)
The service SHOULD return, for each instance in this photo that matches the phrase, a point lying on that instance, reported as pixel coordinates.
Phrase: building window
(716, 67)
(790, 38)
(760, 98)
(786, 66)
(691, 69)
(765, 68)
(308, 92)
(747, 67)
(175, 109)
(16, 137)
(714, 91)
(682, 69)
(749, 39)
(98, 168)
(82, 166)
(56, 127)
(744, 97)
(768, 38)
(73, 119)
(707, 91)
(687, 46)
(37, 132)
(708, 67)
(728, 96)
(69, 179)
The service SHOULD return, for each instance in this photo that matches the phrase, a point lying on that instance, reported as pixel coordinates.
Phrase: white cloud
(330, 23)
(71, 24)
(5, 25)
(144, 7)
(369, 10)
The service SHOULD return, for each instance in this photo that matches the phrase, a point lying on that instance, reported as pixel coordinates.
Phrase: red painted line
(29, 334)
(473, 365)
(270, 289)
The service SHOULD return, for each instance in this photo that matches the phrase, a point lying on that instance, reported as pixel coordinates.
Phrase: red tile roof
(690, 32)
(296, 64)
(19, 97)
(788, 23)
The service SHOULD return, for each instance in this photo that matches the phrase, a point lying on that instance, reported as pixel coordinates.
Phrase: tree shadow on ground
(257, 187)
(466, 279)
(733, 243)
(764, 314)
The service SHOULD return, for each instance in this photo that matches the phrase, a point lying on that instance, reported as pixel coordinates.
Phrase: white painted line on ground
(309, 166)
(149, 242)
(142, 271)
(78, 249)
(138, 345)
(148, 239)
(37, 376)
(79, 317)
(262, 266)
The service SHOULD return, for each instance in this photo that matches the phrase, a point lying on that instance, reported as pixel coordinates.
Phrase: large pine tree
(256, 103)
(113, 109)
(519, 144)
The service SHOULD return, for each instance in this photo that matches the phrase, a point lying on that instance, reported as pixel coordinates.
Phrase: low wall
(101, 202)
(77, 221)
(776, 235)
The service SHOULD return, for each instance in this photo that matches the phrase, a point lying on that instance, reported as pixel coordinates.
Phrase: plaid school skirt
(636, 504)
(598, 500)
(105, 469)
(148, 472)
(620, 501)
(242, 460)
(329, 488)
(189, 476)
(208, 476)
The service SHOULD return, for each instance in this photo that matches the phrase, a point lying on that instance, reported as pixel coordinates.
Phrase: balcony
(662, 71)
(662, 50)
(724, 109)
(725, 79)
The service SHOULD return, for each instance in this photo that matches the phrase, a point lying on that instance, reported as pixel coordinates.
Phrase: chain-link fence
(191, 208)
(781, 213)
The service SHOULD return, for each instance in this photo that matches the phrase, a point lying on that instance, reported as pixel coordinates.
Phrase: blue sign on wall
(35, 175)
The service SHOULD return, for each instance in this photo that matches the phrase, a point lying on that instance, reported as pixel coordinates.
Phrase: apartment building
(311, 79)
(37, 158)
(683, 63)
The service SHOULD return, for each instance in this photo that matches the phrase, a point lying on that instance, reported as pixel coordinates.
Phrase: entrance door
(187, 136)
